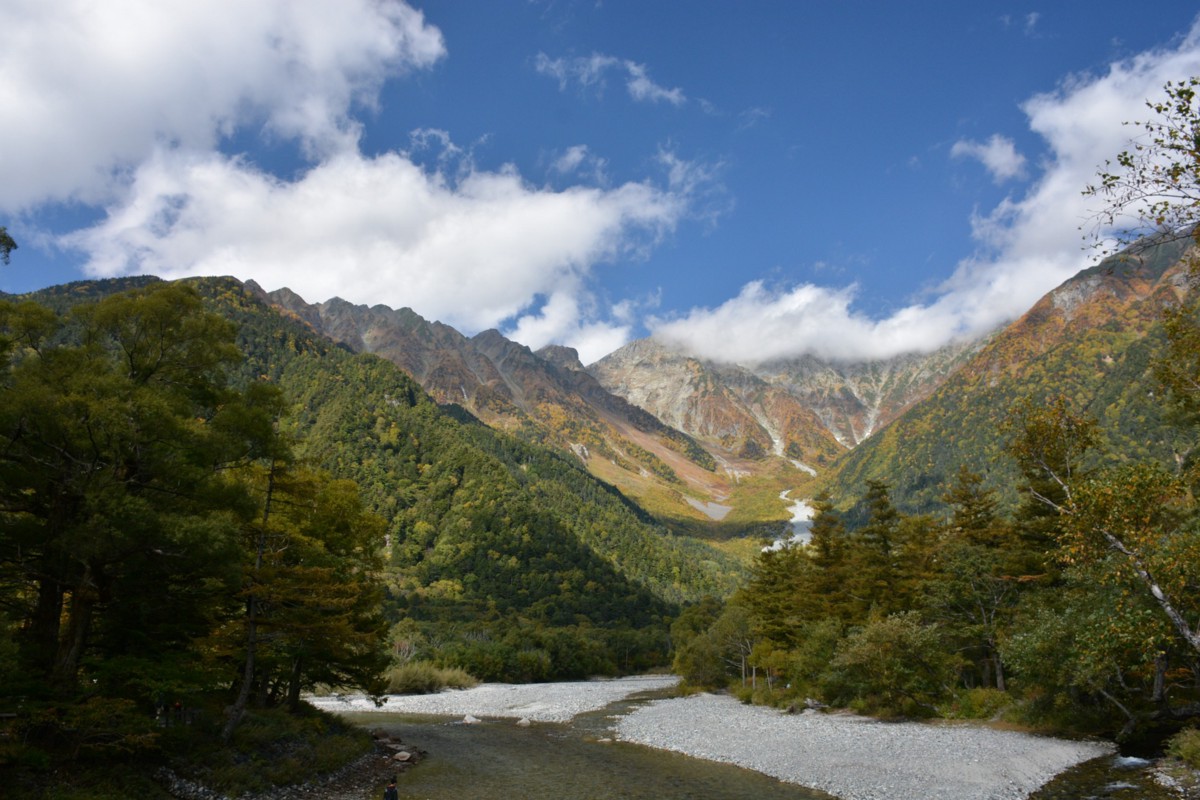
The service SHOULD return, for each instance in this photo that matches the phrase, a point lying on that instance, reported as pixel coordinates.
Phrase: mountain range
(710, 446)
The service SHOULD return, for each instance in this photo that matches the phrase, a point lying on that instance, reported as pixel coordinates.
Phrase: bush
(892, 665)
(1185, 746)
(981, 703)
(421, 677)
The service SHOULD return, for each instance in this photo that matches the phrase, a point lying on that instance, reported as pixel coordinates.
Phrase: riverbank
(858, 758)
(536, 702)
(852, 757)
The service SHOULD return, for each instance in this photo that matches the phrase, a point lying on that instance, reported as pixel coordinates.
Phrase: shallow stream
(497, 758)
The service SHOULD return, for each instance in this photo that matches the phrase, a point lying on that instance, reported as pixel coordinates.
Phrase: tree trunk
(293, 695)
(1160, 678)
(79, 623)
(238, 709)
(43, 631)
(1177, 620)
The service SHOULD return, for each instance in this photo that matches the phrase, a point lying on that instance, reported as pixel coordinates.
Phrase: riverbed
(628, 739)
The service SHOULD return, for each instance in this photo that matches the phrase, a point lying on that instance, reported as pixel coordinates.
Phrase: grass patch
(422, 677)
(1185, 746)
(270, 748)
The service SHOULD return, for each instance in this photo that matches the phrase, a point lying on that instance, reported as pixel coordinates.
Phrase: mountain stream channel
(583, 759)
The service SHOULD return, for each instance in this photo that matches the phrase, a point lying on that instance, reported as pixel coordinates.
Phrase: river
(561, 761)
(580, 760)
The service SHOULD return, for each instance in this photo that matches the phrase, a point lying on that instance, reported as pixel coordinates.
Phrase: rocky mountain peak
(561, 356)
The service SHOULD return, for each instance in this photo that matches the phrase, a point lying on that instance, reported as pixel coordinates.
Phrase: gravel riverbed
(852, 757)
(536, 702)
(858, 758)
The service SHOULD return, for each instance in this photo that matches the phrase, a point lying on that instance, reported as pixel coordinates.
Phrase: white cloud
(561, 320)
(1026, 245)
(472, 250)
(751, 117)
(642, 88)
(92, 89)
(130, 108)
(998, 154)
(590, 72)
(579, 161)
(570, 160)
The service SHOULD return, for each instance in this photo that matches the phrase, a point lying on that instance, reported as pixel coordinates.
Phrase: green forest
(208, 511)
(1051, 580)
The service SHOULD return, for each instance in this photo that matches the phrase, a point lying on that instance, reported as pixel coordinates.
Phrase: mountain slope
(726, 406)
(1091, 340)
(546, 397)
(804, 409)
(492, 539)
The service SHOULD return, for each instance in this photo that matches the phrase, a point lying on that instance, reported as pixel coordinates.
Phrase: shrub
(980, 703)
(421, 677)
(892, 665)
(1185, 746)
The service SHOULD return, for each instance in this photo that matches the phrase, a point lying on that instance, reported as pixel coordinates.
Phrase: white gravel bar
(858, 758)
(851, 757)
(536, 702)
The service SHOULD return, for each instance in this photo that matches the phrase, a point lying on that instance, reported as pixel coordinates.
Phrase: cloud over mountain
(1026, 245)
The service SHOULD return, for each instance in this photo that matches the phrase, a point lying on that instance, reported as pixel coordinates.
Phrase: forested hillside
(1073, 607)
(492, 540)
(546, 397)
(1051, 579)
(1091, 341)
(161, 547)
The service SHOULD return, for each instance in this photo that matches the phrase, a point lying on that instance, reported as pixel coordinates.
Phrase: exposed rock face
(724, 405)
(854, 400)
(508, 385)
(805, 409)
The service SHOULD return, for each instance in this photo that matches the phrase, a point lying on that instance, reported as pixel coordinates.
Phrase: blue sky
(749, 180)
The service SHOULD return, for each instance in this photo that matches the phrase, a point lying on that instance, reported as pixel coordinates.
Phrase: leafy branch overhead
(1154, 186)
(7, 245)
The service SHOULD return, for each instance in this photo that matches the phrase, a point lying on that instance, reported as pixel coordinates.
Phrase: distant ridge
(544, 396)
(1092, 340)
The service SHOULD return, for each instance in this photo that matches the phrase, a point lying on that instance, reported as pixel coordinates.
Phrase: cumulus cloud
(562, 320)
(472, 249)
(92, 89)
(139, 124)
(590, 72)
(1027, 245)
(998, 154)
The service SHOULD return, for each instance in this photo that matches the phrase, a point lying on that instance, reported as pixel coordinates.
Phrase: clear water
(1103, 778)
(579, 761)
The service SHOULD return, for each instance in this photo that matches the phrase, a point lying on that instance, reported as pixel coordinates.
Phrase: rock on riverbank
(858, 758)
